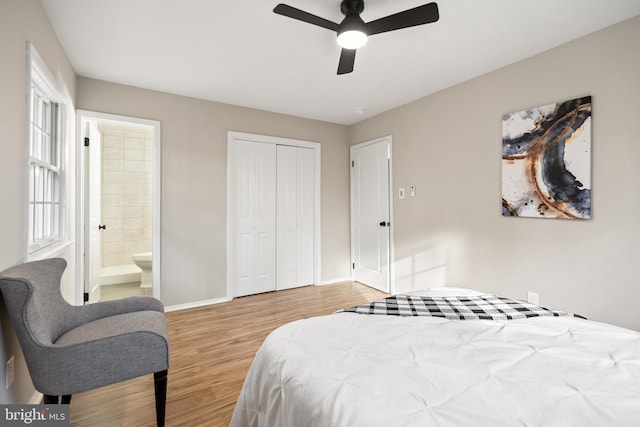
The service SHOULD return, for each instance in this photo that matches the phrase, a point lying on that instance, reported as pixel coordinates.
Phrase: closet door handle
(102, 227)
(385, 224)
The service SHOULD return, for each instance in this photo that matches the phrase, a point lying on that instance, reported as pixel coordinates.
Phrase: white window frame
(46, 232)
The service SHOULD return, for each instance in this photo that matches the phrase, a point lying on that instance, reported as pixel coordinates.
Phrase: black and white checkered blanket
(486, 307)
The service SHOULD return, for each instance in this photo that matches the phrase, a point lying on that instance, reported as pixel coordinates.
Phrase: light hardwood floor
(211, 350)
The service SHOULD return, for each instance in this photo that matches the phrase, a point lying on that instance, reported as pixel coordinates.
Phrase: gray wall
(22, 21)
(194, 181)
(449, 146)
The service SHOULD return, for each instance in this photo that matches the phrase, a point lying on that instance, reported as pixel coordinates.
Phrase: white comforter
(351, 370)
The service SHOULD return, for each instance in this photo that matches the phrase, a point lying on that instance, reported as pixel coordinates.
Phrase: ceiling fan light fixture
(352, 32)
(352, 39)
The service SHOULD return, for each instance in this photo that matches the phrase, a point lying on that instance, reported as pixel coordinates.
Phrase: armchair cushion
(88, 313)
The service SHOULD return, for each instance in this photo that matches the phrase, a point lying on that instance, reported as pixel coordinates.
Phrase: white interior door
(370, 207)
(295, 210)
(305, 210)
(93, 241)
(253, 181)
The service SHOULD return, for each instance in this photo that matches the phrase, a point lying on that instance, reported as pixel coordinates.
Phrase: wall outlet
(412, 191)
(533, 298)
(10, 372)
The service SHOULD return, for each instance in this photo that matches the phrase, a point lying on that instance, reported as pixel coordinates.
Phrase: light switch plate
(401, 193)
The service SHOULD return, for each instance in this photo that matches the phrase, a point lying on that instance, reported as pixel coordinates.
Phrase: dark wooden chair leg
(50, 400)
(160, 384)
(66, 399)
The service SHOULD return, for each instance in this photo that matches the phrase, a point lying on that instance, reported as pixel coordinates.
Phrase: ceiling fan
(353, 31)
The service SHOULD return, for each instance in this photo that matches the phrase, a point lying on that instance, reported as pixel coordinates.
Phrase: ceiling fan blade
(301, 15)
(347, 59)
(424, 14)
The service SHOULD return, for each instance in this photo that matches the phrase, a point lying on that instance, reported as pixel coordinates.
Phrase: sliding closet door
(305, 209)
(295, 209)
(253, 181)
(273, 212)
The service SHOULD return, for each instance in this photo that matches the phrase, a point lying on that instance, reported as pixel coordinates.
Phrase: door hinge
(86, 142)
(353, 266)
(353, 163)
(86, 297)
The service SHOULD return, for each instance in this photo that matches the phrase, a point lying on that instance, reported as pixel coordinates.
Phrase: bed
(350, 369)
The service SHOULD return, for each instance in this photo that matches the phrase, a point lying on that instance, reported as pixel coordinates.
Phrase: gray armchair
(70, 349)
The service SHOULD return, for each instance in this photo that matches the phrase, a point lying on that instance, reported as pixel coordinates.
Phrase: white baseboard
(227, 299)
(196, 304)
(334, 281)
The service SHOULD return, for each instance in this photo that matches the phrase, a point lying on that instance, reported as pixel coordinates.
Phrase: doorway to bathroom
(118, 207)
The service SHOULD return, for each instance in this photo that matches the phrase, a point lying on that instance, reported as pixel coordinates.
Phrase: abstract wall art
(546, 161)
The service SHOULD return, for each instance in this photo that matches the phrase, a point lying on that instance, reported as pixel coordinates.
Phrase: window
(45, 169)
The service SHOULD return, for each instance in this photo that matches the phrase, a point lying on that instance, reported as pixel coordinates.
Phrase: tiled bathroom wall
(126, 195)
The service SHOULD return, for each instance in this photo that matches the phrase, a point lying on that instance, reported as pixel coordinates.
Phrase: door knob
(102, 227)
(385, 224)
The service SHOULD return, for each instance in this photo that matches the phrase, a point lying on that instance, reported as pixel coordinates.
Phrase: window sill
(51, 251)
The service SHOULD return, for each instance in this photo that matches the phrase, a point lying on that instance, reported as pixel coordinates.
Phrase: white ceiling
(241, 53)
